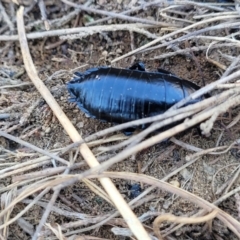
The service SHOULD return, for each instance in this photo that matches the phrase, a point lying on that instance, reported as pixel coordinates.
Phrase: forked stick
(130, 218)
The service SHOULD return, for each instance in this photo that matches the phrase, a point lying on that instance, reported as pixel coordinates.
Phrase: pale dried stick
(185, 145)
(16, 85)
(129, 28)
(158, 138)
(137, 138)
(23, 169)
(135, 9)
(201, 151)
(195, 49)
(56, 22)
(51, 203)
(234, 121)
(42, 8)
(135, 200)
(235, 177)
(214, 14)
(27, 10)
(220, 189)
(20, 165)
(56, 230)
(9, 115)
(168, 114)
(13, 107)
(6, 199)
(202, 212)
(105, 220)
(26, 191)
(26, 144)
(26, 226)
(151, 188)
(6, 18)
(85, 30)
(187, 38)
(207, 5)
(117, 15)
(44, 173)
(78, 224)
(97, 190)
(166, 36)
(237, 118)
(169, 18)
(224, 217)
(231, 67)
(76, 21)
(60, 211)
(205, 89)
(182, 220)
(148, 120)
(226, 196)
(19, 184)
(227, 86)
(113, 193)
(36, 199)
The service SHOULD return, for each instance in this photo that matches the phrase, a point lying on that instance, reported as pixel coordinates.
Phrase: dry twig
(115, 196)
(183, 220)
(117, 15)
(85, 31)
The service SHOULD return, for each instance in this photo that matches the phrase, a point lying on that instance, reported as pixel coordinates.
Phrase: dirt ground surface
(24, 113)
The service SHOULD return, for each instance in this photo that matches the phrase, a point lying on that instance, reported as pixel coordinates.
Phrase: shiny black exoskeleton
(135, 190)
(121, 95)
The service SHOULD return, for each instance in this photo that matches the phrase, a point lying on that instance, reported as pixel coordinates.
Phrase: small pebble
(186, 174)
(175, 183)
(48, 130)
(119, 50)
(105, 53)
(57, 145)
(79, 125)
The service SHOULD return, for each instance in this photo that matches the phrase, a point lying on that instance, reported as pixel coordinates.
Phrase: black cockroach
(122, 95)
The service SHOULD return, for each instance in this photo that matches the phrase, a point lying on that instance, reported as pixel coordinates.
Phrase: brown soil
(203, 178)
